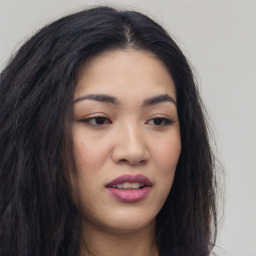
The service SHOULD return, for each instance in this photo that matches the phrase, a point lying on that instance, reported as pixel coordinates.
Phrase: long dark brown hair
(37, 216)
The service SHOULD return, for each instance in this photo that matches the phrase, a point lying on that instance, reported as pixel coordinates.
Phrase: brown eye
(96, 121)
(160, 121)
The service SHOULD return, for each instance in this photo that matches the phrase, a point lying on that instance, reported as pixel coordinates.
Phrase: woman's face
(126, 139)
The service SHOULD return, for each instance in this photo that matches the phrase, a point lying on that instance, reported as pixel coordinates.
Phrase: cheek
(89, 160)
(90, 154)
(166, 158)
(85, 155)
(167, 155)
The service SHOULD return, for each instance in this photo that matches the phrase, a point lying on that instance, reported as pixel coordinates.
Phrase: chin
(130, 226)
(126, 221)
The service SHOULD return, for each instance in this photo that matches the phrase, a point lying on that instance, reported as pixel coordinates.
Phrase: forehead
(125, 73)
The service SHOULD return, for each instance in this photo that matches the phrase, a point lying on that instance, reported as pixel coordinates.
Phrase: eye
(96, 121)
(160, 121)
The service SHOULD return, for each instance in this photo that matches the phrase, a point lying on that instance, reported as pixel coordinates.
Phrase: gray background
(219, 38)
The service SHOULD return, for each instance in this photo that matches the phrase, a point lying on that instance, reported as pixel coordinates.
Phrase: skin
(127, 139)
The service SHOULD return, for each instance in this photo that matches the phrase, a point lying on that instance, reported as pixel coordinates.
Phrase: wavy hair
(37, 216)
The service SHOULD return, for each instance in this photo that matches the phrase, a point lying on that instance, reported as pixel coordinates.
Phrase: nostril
(125, 161)
(142, 162)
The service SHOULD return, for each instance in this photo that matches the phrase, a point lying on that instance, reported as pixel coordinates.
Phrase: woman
(104, 146)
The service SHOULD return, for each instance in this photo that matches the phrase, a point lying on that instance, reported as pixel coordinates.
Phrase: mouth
(129, 188)
(129, 185)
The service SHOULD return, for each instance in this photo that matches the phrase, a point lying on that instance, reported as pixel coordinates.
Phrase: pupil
(100, 120)
(158, 121)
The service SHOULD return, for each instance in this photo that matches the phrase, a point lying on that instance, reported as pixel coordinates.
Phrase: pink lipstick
(129, 188)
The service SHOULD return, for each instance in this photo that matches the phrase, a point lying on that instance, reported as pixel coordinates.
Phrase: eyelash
(89, 120)
(102, 121)
(163, 121)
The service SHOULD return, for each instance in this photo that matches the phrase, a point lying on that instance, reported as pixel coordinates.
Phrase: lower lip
(130, 195)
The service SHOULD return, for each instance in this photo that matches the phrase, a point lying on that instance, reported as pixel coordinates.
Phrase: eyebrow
(109, 99)
(99, 97)
(159, 99)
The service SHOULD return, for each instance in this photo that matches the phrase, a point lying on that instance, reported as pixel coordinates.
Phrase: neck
(112, 243)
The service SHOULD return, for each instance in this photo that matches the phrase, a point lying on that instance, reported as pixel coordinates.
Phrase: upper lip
(130, 178)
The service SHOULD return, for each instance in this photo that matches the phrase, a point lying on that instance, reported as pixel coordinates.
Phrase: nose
(130, 146)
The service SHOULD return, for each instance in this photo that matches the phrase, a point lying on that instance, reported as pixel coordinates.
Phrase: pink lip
(130, 178)
(129, 195)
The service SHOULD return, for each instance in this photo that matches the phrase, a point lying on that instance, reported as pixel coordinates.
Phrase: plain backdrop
(219, 38)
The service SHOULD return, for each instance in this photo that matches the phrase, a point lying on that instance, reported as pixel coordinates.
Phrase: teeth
(120, 185)
(135, 185)
(127, 185)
